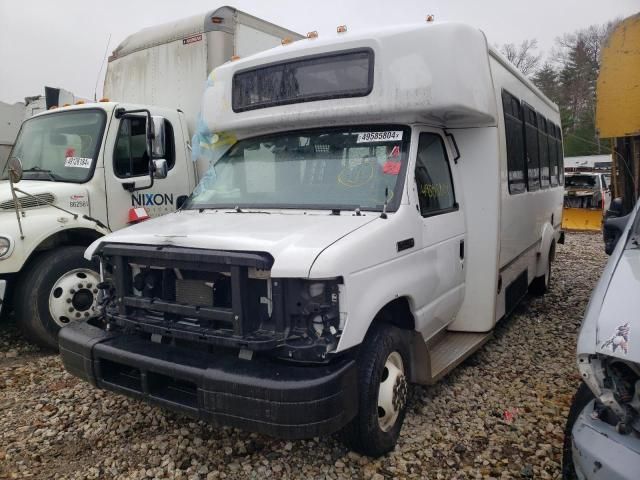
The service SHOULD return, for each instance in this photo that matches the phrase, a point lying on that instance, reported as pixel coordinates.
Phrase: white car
(603, 429)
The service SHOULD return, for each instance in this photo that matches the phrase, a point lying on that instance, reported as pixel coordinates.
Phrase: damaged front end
(211, 334)
(616, 386)
(215, 299)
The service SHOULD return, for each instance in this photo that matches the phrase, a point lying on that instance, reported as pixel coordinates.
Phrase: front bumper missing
(259, 395)
(600, 452)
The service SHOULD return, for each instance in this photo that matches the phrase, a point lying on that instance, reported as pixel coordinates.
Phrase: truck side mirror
(612, 231)
(14, 166)
(158, 139)
(615, 209)
(160, 168)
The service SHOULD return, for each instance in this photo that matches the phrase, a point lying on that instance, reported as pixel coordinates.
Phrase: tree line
(568, 76)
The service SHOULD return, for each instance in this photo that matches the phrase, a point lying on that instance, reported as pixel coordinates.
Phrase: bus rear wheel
(59, 287)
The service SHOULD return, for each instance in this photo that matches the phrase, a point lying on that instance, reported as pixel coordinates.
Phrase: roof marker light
(53, 107)
(235, 57)
(342, 29)
(286, 41)
(217, 20)
(313, 34)
(431, 18)
(66, 105)
(80, 102)
(105, 99)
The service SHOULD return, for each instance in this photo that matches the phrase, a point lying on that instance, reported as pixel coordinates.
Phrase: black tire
(364, 434)
(580, 400)
(32, 294)
(541, 284)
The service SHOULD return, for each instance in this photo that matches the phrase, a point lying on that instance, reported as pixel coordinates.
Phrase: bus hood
(69, 196)
(294, 238)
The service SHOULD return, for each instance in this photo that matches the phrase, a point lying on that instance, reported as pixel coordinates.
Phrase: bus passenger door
(443, 235)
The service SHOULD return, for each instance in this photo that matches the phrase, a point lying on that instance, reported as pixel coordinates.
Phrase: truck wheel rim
(73, 296)
(392, 395)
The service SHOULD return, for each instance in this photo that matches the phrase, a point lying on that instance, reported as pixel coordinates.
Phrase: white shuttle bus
(383, 199)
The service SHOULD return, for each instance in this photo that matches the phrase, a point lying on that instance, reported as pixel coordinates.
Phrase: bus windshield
(336, 168)
(60, 146)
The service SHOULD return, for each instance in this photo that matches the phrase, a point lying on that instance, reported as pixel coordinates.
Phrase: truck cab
(92, 168)
(84, 168)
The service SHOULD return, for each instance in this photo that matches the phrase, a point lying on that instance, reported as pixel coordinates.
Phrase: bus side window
(433, 177)
(514, 135)
(532, 149)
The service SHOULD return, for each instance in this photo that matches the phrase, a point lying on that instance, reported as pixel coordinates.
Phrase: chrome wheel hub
(73, 296)
(392, 395)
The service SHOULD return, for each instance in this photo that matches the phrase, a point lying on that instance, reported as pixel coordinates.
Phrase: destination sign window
(320, 77)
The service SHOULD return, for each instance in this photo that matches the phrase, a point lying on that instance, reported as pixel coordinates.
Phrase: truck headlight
(6, 246)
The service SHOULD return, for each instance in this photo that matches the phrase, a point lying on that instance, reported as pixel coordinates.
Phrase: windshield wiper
(239, 210)
(52, 175)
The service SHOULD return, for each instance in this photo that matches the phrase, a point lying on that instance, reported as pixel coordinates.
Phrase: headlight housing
(616, 385)
(6, 247)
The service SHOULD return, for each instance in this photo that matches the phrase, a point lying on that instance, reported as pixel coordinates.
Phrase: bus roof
(436, 73)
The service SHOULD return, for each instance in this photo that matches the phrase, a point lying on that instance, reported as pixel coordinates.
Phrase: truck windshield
(60, 146)
(337, 168)
(585, 181)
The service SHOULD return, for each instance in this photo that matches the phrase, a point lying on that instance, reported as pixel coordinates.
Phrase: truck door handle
(461, 249)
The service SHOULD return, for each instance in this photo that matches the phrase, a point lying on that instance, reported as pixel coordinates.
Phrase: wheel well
(74, 237)
(398, 313)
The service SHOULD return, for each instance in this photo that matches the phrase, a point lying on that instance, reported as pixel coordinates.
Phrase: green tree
(546, 79)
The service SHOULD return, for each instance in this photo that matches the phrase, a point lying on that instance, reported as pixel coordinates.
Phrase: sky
(62, 43)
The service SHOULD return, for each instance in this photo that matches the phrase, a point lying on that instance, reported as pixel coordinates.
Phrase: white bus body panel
(407, 84)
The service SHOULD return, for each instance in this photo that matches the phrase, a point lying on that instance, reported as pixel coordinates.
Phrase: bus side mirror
(612, 231)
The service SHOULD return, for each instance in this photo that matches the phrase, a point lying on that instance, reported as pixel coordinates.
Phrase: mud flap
(585, 219)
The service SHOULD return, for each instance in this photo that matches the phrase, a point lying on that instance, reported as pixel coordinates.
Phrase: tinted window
(130, 158)
(553, 154)
(531, 142)
(433, 176)
(320, 77)
(559, 155)
(544, 151)
(514, 135)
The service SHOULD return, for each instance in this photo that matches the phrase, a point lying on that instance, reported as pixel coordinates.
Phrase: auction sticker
(78, 201)
(78, 162)
(388, 136)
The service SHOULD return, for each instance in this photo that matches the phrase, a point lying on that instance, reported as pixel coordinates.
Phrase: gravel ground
(499, 415)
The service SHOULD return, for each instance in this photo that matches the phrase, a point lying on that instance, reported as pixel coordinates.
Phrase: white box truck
(84, 167)
(391, 196)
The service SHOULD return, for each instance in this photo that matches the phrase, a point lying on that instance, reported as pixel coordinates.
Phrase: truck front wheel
(382, 390)
(58, 287)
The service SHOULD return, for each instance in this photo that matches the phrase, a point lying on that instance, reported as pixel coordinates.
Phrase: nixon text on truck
(88, 169)
(387, 202)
